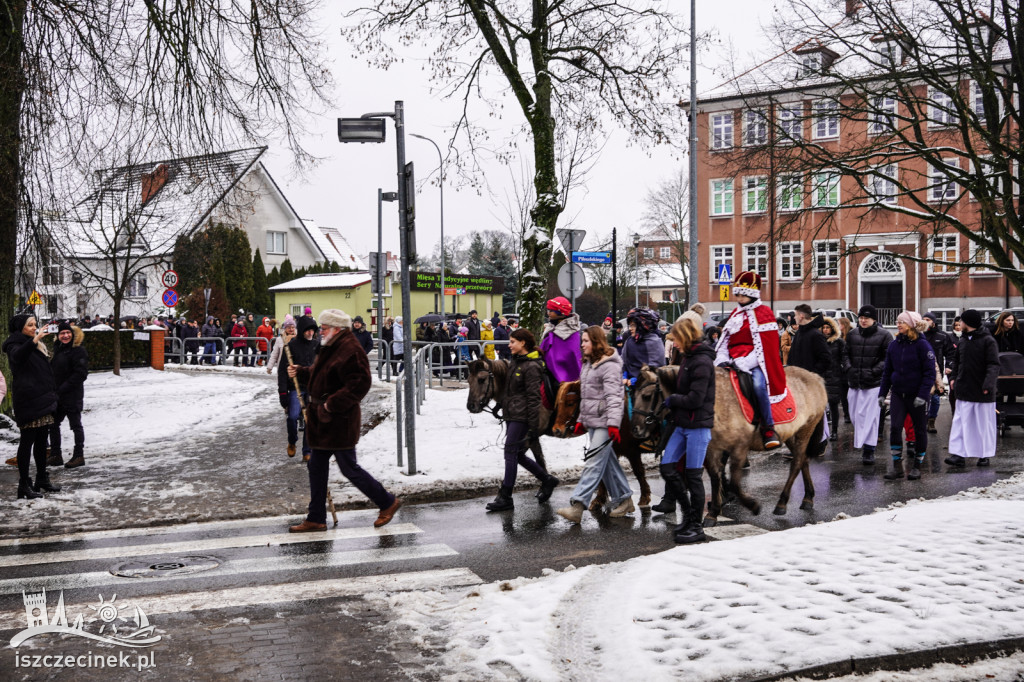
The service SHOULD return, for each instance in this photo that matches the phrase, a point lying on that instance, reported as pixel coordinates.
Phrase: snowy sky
(342, 190)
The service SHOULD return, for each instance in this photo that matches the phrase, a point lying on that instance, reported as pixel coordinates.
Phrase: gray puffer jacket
(601, 392)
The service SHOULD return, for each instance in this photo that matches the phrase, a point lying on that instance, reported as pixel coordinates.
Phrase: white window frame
(950, 247)
(978, 103)
(755, 258)
(138, 287)
(891, 53)
(822, 250)
(721, 254)
(974, 248)
(297, 310)
(722, 130)
(791, 123)
(941, 187)
(825, 119)
(941, 113)
(992, 178)
(790, 192)
(755, 194)
(791, 256)
(884, 191)
(811, 64)
(945, 318)
(272, 245)
(725, 193)
(664, 252)
(52, 265)
(882, 118)
(648, 252)
(828, 180)
(755, 127)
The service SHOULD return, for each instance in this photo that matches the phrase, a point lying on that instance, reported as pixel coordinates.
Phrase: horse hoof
(779, 510)
(755, 508)
(710, 522)
(807, 504)
(645, 507)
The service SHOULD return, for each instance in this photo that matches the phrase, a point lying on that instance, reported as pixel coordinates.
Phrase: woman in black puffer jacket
(836, 372)
(35, 400)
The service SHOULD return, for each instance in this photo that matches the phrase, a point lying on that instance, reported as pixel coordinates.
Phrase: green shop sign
(473, 284)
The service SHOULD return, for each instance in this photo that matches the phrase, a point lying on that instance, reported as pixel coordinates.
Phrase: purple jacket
(561, 349)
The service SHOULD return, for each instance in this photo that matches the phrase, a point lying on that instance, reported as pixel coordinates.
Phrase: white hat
(333, 317)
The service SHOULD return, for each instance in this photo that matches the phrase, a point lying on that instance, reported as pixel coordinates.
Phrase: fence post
(156, 349)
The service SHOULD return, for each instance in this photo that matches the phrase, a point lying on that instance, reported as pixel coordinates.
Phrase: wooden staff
(305, 417)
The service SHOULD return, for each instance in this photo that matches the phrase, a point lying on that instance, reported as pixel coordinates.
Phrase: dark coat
(522, 394)
(1010, 341)
(35, 392)
(976, 367)
(865, 352)
(809, 349)
(693, 403)
(364, 338)
(909, 368)
(338, 381)
(303, 354)
(474, 328)
(941, 345)
(70, 365)
(501, 333)
(837, 367)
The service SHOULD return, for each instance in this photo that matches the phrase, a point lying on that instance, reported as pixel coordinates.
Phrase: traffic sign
(35, 298)
(578, 283)
(603, 257)
(170, 298)
(723, 292)
(449, 291)
(724, 274)
(571, 240)
(169, 279)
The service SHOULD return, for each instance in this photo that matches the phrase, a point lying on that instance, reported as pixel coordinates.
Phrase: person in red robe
(750, 342)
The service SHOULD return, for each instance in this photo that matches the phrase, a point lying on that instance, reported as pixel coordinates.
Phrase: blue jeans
(292, 421)
(602, 465)
(933, 407)
(765, 405)
(691, 444)
(210, 352)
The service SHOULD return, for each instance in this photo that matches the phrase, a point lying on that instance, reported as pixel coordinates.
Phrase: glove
(613, 431)
(919, 402)
(579, 429)
(284, 400)
(881, 401)
(746, 363)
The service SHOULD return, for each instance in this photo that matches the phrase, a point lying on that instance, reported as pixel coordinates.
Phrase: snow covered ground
(915, 576)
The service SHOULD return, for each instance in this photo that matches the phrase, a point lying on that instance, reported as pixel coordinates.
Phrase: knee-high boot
(694, 531)
(676, 487)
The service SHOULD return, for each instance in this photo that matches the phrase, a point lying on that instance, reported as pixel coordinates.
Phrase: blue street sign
(170, 298)
(724, 274)
(603, 257)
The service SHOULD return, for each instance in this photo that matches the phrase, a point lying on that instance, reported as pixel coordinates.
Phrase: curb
(908, 660)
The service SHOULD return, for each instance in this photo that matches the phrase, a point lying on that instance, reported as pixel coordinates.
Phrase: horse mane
(668, 375)
(564, 388)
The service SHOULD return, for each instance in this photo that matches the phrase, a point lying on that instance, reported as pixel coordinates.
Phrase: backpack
(548, 386)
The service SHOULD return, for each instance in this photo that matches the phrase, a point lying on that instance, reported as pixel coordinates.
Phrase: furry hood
(836, 332)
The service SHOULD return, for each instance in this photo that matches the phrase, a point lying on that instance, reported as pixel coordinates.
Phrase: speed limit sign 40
(170, 279)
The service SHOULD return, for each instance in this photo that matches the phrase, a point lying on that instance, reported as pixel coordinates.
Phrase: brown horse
(733, 437)
(487, 382)
(567, 413)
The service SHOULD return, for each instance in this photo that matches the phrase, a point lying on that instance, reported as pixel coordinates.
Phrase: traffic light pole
(409, 413)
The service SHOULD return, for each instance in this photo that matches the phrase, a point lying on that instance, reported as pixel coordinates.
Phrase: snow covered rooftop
(341, 280)
(333, 245)
(662, 275)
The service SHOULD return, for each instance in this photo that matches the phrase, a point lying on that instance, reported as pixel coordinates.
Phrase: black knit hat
(972, 318)
(64, 326)
(17, 322)
(868, 311)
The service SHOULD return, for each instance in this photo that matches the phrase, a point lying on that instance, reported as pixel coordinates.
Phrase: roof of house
(333, 245)
(662, 275)
(341, 280)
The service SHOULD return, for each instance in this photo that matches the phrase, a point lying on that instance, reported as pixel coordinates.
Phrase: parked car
(836, 313)
(717, 319)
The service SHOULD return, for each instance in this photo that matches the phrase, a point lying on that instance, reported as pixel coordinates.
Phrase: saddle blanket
(783, 411)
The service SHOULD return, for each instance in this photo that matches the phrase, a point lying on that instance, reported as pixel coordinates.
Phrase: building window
(825, 190)
(53, 267)
(986, 171)
(942, 186)
(648, 252)
(826, 119)
(755, 127)
(882, 184)
(297, 310)
(721, 131)
(890, 52)
(721, 197)
(137, 287)
(791, 192)
(791, 124)
(664, 252)
(755, 258)
(811, 64)
(826, 259)
(978, 101)
(276, 243)
(720, 255)
(941, 112)
(944, 318)
(791, 260)
(946, 249)
(882, 118)
(981, 256)
(755, 196)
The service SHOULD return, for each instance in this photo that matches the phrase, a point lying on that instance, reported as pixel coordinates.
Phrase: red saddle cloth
(783, 411)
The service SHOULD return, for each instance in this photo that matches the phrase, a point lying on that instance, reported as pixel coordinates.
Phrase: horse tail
(816, 447)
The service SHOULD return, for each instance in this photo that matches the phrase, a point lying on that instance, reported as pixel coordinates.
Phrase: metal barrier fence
(178, 353)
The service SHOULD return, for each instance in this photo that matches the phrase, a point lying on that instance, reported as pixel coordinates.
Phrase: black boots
(667, 504)
(546, 488)
(503, 502)
(25, 491)
(675, 488)
(956, 461)
(43, 481)
(867, 456)
(897, 470)
(694, 530)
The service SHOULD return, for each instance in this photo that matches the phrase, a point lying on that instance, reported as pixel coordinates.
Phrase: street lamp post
(382, 268)
(440, 184)
(636, 268)
(647, 273)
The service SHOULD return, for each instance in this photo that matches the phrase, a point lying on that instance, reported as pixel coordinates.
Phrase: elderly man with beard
(337, 381)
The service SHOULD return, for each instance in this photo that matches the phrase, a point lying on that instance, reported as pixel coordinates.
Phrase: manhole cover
(165, 566)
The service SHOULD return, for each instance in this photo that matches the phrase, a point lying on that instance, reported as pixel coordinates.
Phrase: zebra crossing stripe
(733, 531)
(194, 546)
(231, 568)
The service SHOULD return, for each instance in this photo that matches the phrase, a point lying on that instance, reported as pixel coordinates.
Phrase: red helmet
(561, 305)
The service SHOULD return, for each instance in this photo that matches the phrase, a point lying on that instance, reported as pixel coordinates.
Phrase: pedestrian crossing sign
(724, 274)
(35, 298)
(723, 292)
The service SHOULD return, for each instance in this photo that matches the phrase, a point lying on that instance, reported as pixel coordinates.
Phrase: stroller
(1010, 387)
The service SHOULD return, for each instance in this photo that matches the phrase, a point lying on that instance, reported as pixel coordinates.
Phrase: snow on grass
(929, 574)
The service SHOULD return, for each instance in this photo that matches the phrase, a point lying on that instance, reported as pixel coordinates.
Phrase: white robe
(864, 413)
(974, 430)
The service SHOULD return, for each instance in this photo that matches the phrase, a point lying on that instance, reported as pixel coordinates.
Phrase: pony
(733, 437)
(487, 382)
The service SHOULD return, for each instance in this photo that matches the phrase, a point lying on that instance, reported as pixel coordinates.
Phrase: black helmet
(646, 320)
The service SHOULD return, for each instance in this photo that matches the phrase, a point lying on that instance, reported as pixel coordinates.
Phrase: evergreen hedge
(100, 346)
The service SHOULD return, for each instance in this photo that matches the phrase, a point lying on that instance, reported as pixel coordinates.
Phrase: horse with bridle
(733, 436)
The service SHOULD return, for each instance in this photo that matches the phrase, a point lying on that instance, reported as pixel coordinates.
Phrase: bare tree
(572, 67)
(667, 214)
